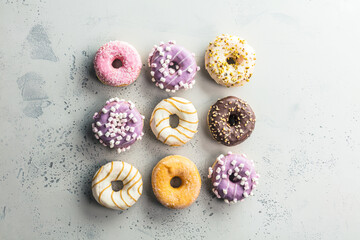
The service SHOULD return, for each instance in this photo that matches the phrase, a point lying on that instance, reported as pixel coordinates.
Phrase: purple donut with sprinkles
(118, 124)
(172, 67)
(233, 177)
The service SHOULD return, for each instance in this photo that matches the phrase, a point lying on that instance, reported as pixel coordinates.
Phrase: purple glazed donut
(233, 177)
(118, 124)
(172, 67)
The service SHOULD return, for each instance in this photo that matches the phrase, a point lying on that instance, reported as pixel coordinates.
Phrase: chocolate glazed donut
(231, 121)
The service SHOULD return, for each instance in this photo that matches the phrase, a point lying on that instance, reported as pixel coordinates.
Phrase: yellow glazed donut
(117, 171)
(188, 121)
(176, 166)
(230, 60)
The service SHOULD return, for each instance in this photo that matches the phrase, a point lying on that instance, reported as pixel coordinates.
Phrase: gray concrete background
(305, 93)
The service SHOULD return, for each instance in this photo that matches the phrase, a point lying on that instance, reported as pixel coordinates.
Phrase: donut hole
(234, 178)
(174, 65)
(174, 121)
(233, 120)
(175, 182)
(117, 63)
(235, 60)
(117, 185)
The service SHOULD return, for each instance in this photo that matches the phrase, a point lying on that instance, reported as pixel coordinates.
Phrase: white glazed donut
(117, 171)
(230, 60)
(188, 121)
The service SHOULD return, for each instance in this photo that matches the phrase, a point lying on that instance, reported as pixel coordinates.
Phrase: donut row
(230, 61)
(119, 124)
(233, 178)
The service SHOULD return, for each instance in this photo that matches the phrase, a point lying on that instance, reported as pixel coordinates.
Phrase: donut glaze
(233, 177)
(188, 121)
(172, 67)
(118, 124)
(231, 121)
(183, 168)
(124, 75)
(230, 60)
(117, 171)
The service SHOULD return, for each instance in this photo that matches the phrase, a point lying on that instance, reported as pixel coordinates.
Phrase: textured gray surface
(304, 92)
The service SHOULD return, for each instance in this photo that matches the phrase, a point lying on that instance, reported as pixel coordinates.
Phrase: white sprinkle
(167, 61)
(229, 153)
(173, 90)
(119, 150)
(242, 183)
(159, 48)
(251, 193)
(104, 110)
(107, 134)
(167, 90)
(217, 177)
(153, 79)
(127, 128)
(216, 184)
(96, 136)
(119, 138)
(190, 70)
(221, 162)
(161, 70)
(230, 171)
(161, 54)
(166, 74)
(113, 109)
(112, 141)
(99, 133)
(233, 162)
(132, 129)
(235, 200)
(246, 187)
(245, 194)
(134, 120)
(161, 86)
(247, 173)
(131, 115)
(168, 56)
(179, 72)
(210, 172)
(128, 147)
(162, 79)
(224, 176)
(162, 61)
(98, 124)
(154, 65)
(218, 170)
(152, 73)
(227, 201)
(125, 115)
(176, 87)
(128, 138)
(95, 130)
(117, 142)
(113, 135)
(244, 179)
(171, 71)
(225, 191)
(110, 119)
(168, 48)
(236, 169)
(223, 168)
(241, 165)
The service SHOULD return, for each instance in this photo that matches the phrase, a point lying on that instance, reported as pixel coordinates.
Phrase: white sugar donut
(188, 121)
(117, 171)
(230, 60)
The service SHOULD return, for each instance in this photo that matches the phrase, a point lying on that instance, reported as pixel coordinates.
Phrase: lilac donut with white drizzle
(233, 177)
(172, 67)
(118, 124)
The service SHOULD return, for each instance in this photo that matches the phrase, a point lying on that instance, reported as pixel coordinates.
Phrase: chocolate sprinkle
(231, 121)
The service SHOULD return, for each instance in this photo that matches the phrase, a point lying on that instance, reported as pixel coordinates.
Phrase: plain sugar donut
(117, 171)
(230, 60)
(123, 75)
(188, 121)
(169, 168)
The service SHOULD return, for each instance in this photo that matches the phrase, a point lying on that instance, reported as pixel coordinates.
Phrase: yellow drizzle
(105, 176)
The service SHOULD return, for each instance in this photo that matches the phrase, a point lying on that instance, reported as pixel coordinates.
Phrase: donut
(231, 121)
(171, 167)
(233, 177)
(172, 67)
(188, 121)
(230, 60)
(118, 124)
(102, 189)
(117, 64)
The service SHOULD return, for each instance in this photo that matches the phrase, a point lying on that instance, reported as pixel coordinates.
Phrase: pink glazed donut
(117, 64)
